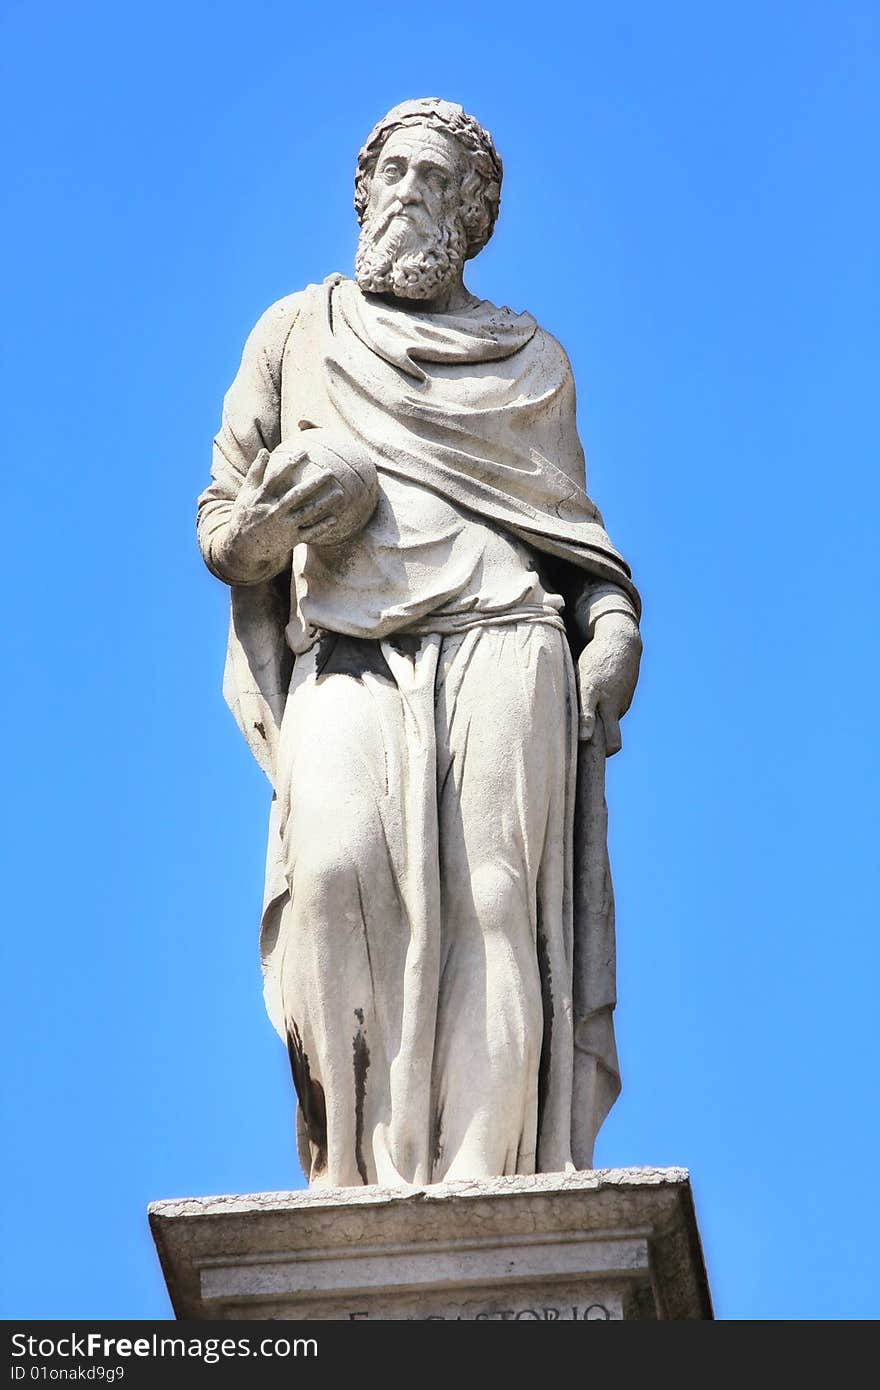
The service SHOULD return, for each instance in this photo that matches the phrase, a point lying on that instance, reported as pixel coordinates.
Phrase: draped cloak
(479, 406)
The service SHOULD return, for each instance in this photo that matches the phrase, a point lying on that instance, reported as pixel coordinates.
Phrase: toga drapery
(438, 933)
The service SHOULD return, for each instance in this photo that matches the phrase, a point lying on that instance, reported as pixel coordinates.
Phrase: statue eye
(439, 182)
(391, 172)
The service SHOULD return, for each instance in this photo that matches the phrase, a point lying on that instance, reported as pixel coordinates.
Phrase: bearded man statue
(432, 643)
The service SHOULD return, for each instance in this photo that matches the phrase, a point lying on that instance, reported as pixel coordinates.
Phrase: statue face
(419, 170)
(413, 241)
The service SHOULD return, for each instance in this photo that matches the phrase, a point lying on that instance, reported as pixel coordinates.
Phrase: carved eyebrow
(430, 162)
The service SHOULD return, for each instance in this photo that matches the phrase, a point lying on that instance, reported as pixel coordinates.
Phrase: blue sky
(691, 206)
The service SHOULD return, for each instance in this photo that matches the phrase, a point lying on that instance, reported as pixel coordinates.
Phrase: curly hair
(481, 185)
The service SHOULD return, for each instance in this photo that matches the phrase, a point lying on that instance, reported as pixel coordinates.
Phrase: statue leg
(502, 1062)
(356, 989)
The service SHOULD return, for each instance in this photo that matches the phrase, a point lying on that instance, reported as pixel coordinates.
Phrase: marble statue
(431, 646)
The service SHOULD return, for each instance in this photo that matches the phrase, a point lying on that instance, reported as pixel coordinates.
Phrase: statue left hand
(607, 673)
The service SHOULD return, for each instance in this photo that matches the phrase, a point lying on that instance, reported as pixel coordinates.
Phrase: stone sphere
(353, 470)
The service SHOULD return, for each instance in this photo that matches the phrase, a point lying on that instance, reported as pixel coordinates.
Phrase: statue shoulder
(506, 324)
(272, 329)
(551, 350)
(266, 343)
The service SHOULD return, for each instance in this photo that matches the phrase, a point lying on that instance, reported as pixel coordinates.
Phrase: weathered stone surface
(433, 641)
(615, 1243)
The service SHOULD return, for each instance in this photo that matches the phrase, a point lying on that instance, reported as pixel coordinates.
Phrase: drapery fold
(480, 407)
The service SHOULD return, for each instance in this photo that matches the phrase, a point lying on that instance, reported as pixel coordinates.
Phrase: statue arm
(250, 430)
(605, 614)
(608, 668)
(597, 599)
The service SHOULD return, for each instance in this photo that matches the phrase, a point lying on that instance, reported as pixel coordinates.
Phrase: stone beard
(431, 695)
(402, 254)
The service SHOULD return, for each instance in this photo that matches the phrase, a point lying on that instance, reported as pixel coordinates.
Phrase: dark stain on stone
(363, 907)
(338, 655)
(361, 1066)
(547, 1004)
(261, 729)
(324, 650)
(406, 643)
(437, 1138)
(310, 1094)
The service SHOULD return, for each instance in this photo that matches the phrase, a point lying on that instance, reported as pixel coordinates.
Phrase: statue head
(427, 189)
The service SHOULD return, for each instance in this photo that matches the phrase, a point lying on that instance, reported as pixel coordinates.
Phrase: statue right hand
(273, 512)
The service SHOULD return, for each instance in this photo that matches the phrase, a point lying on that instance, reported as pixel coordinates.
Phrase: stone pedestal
(612, 1243)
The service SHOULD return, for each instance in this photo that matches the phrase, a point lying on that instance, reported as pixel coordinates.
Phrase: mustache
(377, 229)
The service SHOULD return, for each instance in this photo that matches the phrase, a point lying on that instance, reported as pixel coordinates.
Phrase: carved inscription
(573, 1312)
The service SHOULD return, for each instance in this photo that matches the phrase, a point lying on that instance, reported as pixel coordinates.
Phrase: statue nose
(408, 190)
